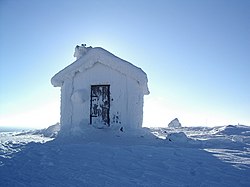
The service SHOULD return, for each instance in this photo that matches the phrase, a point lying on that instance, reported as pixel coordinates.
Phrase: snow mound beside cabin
(180, 137)
(111, 136)
(50, 132)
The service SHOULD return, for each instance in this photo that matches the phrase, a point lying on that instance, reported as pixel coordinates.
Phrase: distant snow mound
(179, 137)
(174, 123)
(234, 130)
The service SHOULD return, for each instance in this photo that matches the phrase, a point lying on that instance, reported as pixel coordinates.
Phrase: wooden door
(100, 105)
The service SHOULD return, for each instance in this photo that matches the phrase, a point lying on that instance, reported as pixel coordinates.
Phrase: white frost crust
(102, 56)
(80, 96)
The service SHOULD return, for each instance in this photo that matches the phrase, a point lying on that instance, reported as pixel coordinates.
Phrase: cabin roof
(100, 55)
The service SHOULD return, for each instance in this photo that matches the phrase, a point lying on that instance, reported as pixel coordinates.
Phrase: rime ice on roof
(81, 50)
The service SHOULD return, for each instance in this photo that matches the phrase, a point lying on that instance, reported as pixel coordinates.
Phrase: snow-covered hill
(194, 156)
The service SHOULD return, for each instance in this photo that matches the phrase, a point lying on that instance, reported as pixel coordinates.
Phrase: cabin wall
(100, 74)
(66, 105)
(135, 104)
(126, 98)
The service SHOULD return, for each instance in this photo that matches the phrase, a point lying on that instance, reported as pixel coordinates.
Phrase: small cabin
(102, 90)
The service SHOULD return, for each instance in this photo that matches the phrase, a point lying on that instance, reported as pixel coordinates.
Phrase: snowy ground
(200, 156)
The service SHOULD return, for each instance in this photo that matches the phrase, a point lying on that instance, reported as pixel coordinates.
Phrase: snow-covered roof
(95, 55)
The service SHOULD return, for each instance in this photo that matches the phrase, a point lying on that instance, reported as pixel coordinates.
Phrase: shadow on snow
(98, 163)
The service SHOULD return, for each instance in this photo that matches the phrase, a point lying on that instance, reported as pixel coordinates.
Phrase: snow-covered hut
(101, 90)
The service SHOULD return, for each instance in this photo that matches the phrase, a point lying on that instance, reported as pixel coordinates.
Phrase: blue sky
(196, 55)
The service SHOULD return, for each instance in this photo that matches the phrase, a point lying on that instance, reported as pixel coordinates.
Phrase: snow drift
(102, 158)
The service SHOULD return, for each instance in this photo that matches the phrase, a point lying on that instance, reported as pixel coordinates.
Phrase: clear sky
(196, 54)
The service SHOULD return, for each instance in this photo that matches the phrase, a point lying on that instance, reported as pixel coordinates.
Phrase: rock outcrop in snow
(174, 123)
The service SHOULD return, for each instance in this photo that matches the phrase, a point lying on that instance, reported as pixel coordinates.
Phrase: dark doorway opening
(100, 105)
